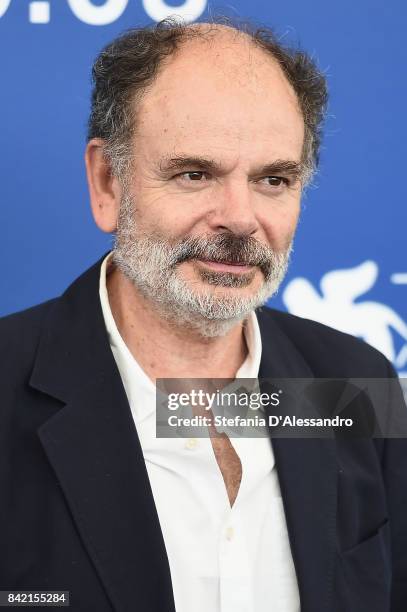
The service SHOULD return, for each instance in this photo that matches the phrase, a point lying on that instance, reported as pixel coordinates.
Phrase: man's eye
(275, 181)
(194, 175)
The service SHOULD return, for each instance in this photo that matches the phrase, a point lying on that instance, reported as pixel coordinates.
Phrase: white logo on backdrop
(39, 11)
(335, 305)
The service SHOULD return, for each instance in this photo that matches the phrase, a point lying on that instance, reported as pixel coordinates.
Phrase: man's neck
(164, 349)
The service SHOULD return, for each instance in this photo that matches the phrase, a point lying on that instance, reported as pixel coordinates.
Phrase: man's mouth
(225, 266)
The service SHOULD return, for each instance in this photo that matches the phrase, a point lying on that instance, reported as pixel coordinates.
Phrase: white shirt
(221, 559)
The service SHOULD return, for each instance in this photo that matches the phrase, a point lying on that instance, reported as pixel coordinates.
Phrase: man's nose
(234, 209)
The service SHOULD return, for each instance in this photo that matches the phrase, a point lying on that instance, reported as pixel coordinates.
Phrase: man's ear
(104, 188)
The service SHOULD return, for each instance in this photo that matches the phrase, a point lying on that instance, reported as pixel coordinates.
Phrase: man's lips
(225, 266)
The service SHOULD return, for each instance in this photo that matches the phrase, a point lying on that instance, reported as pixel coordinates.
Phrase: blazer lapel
(308, 479)
(93, 447)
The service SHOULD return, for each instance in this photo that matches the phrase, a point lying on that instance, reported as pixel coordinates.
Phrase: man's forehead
(220, 129)
(216, 150)
(196, 92)
(212, 98)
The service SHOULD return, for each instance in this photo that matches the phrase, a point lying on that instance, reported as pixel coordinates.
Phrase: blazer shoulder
(326, 349)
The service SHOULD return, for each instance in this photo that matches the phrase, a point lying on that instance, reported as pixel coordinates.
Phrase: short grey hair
(128, 65)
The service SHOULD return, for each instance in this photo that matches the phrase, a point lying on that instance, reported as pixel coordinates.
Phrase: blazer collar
(93, 447)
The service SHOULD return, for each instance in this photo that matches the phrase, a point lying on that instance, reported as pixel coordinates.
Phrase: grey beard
(151, 264)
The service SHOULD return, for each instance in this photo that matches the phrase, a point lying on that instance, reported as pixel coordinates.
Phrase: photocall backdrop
(349, 266)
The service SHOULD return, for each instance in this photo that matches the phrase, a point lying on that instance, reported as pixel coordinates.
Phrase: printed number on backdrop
(103, 14)
(39, 11)
(189, 11)
(4, 4)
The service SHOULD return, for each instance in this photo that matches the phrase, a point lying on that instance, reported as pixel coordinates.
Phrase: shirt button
(191, 443)
(229, 533)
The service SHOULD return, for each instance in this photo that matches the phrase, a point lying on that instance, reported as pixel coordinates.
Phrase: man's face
(213, 198)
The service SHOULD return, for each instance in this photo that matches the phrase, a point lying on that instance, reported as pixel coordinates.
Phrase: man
(201, 141)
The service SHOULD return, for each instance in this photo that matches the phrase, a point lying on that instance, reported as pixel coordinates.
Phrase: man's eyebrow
(287, 167)
(181, 162)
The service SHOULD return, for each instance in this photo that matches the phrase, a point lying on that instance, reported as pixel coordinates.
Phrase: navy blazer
(77, 511)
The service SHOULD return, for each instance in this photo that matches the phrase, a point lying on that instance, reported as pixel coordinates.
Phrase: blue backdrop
(349, 267)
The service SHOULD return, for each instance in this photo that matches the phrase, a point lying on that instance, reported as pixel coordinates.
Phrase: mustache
(226, 248)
